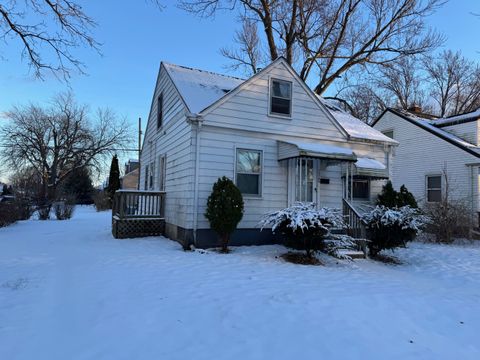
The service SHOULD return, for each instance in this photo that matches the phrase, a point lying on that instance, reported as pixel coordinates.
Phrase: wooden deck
(138, 214)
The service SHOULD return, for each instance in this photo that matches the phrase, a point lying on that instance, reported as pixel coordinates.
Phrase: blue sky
(136, 37)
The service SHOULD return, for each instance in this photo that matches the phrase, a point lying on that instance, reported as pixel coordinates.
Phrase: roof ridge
(462, 114)
(203, 71)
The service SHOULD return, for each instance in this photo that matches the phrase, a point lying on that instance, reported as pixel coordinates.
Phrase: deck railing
(131, 204)
(355, 225)
(138, 213)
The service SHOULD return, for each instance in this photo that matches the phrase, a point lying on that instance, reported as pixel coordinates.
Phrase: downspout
(197, 120)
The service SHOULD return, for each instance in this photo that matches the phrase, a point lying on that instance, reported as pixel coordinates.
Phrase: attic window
(280, 97)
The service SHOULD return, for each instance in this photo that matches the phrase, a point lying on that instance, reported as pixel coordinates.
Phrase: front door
(303, 180)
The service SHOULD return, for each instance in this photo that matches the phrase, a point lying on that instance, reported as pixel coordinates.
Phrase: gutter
(197, 121)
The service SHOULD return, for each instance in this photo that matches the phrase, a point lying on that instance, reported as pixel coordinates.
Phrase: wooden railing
(131, 204)
(355, 226)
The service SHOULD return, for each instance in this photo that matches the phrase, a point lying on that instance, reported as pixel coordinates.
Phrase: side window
(151, 175)
(145, 184)
(388, 133)
(434, 188)
(280, 97)
(160, 111)
(162, 171)
(361, 189)
(249, 172)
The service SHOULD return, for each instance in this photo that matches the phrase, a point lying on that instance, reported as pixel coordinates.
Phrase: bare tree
(454, 83)
(248, 55)
(403, 81)
(364, 102)
(324, 39)
(54, 141)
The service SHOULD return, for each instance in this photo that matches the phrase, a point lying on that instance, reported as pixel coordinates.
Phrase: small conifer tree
(224, 209)
(388, 196)
(405, 197)
(114, 177)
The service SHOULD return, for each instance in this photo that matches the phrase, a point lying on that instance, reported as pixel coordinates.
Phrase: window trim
(147, 172)
(160, 114)
(270, 95)
(387, 131)
(427, 189)
(235, 172)
(151, 176)
(162, 172)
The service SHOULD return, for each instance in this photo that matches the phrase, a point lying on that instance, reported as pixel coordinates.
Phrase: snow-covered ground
(68, 290)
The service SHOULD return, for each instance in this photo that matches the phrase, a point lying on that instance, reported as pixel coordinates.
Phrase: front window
(361, 189)
(249, 172)
(434, 188)
(281, 97)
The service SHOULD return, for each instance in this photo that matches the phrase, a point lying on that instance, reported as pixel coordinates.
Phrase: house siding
(173, 139)
(467, 131)
(422, 153)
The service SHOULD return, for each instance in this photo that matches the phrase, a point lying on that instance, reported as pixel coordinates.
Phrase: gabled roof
(355, 127)
(200, 88)
(429, 126)
(458, 119)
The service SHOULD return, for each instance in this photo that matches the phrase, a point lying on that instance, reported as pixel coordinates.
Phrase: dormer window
(280, 97)
(160, 111)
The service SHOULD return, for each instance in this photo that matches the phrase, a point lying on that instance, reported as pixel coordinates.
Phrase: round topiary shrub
(224, 209)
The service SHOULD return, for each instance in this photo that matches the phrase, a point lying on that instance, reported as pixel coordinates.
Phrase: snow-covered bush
(224, 209)
(389, 228)
(303, 226)
(64, 209)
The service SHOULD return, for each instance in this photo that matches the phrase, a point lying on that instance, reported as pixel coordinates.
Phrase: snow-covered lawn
(68, 290)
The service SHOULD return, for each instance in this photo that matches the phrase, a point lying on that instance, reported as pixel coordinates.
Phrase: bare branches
(57, 140)
(454, 83)
(331, 37)
(47, 46)
(248, 56)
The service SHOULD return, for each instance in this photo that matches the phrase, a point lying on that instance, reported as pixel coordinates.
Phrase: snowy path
(68, 290)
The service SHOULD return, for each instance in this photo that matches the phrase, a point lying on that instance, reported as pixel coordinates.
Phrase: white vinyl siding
(421, 153)
(174, 141)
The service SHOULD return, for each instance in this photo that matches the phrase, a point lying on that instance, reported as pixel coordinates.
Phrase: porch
(138, 213)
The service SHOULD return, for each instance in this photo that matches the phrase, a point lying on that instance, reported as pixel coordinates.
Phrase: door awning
(293, 149)
(370, 168)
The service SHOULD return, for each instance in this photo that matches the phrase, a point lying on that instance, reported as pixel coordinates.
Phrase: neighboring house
(129, 181)
(430, 148)
(270, 134)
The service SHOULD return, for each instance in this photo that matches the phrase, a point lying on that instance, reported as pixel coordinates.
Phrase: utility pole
(139, 150)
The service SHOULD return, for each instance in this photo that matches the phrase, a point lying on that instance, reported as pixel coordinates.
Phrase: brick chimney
(415, 108)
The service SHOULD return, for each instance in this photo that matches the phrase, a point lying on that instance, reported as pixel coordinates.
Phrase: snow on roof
(355, 127)
(322, 148)
(457, 118)
(198, 88)
(367, 163)
(442, 133)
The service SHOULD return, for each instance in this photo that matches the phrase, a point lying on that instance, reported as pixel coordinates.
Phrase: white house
(430, 148)
(270, 134)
